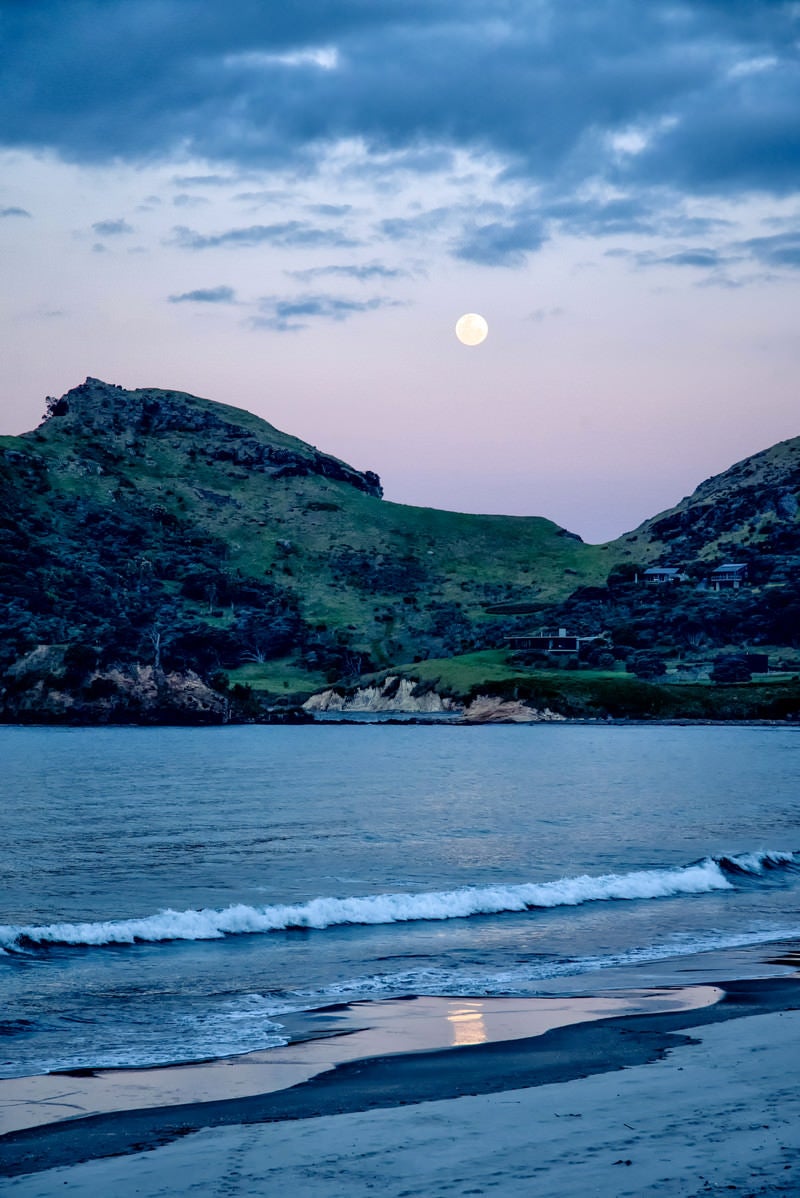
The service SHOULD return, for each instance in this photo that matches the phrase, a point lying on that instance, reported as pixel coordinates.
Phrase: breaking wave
(702, 877)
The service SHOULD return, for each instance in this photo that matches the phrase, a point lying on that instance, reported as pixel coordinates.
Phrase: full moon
(471, 329)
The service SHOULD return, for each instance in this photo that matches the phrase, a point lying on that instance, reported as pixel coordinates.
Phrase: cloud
(399, 228)
(14, 212)
(205, 295)
(291, 314)
(690, 96)
(541, 314)
(112, 228)
(184, 200)
(779, 250)
(502, 243)
(264, 197)
(184, 181)
(703, 257)
(595, 217)
(362, 273)
(333, 210)
(287, 234)
(324, 57)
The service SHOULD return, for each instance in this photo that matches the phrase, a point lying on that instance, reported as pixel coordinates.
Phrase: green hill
(168, 557)
(154, 529)
(749, 512)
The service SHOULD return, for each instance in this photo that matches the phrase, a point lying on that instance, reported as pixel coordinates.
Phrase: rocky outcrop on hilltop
(753, 505)
(113, 414)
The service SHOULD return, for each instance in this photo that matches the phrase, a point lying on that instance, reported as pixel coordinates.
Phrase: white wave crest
(319, 913)
(758, 863)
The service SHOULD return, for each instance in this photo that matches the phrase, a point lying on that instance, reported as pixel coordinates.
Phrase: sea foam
(702, 877)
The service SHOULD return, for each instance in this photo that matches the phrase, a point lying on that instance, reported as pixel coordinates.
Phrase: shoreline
(389, 1079)
(371, 719)
(321, 1040)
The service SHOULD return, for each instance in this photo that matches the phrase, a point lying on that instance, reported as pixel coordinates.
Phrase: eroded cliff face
(406, 696)
(488, 709)
(401, 695)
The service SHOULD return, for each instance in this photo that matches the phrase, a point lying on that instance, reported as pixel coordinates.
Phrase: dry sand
(691, 1102)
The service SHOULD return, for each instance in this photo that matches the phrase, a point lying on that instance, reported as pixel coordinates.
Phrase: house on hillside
(728, 575)
(550, 640)
(662, 574)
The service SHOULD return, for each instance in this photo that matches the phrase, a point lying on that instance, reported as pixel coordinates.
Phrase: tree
(730, 669)
(647, 665)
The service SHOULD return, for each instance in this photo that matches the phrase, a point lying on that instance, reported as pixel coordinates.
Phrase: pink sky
(640, 284)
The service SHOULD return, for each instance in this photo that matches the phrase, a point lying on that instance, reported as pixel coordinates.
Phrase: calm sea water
(168, 894)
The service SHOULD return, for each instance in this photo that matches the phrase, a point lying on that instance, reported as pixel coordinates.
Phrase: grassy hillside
(150, 524)
(749, 512)
(154, 530)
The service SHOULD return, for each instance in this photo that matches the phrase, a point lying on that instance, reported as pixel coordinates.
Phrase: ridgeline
(170, 559)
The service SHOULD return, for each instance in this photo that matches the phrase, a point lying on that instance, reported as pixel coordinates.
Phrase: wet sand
(697, 1098)
(323, 1040)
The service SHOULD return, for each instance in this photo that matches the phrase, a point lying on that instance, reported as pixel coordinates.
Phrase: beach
(386, 959)
(693, 1094)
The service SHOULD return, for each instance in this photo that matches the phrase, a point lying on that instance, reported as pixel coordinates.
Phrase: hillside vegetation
(165, 556)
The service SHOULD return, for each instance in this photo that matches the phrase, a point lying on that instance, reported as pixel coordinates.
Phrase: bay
(168, 894)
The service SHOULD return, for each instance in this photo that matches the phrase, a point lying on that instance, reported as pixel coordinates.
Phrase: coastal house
(728, 575)
(550, 640)
(662, 574)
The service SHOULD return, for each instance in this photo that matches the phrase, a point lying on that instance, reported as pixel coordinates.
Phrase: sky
(286, 205)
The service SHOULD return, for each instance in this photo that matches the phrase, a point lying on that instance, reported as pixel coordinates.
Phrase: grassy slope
(470, 560)
(597, 693)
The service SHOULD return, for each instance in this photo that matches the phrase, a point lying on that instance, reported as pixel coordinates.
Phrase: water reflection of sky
(467, 1023)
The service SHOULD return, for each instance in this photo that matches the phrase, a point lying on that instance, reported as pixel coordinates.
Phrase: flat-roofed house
(661, 574)
(550, 640)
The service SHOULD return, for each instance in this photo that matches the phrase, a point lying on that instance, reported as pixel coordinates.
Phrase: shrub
(730, 669)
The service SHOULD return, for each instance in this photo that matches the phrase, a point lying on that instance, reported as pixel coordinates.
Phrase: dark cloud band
(694, 94)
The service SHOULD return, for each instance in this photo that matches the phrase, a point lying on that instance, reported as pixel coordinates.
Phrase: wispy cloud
(700, 257)
(781, 249)
(364, 273)
(539, 315)
(14, 212)
(184, 181)
(333, 210)
(398, 228)
(184, 200)
(112, 228)
(501, 243)
(595, 217)
(326, 58)
(290, 314)
(205, 295)
(287, 234)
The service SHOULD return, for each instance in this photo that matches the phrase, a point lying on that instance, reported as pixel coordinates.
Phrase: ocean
(169, 894)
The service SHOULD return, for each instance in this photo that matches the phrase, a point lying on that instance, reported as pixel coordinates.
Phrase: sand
(684, 1102)
(326, 1040)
